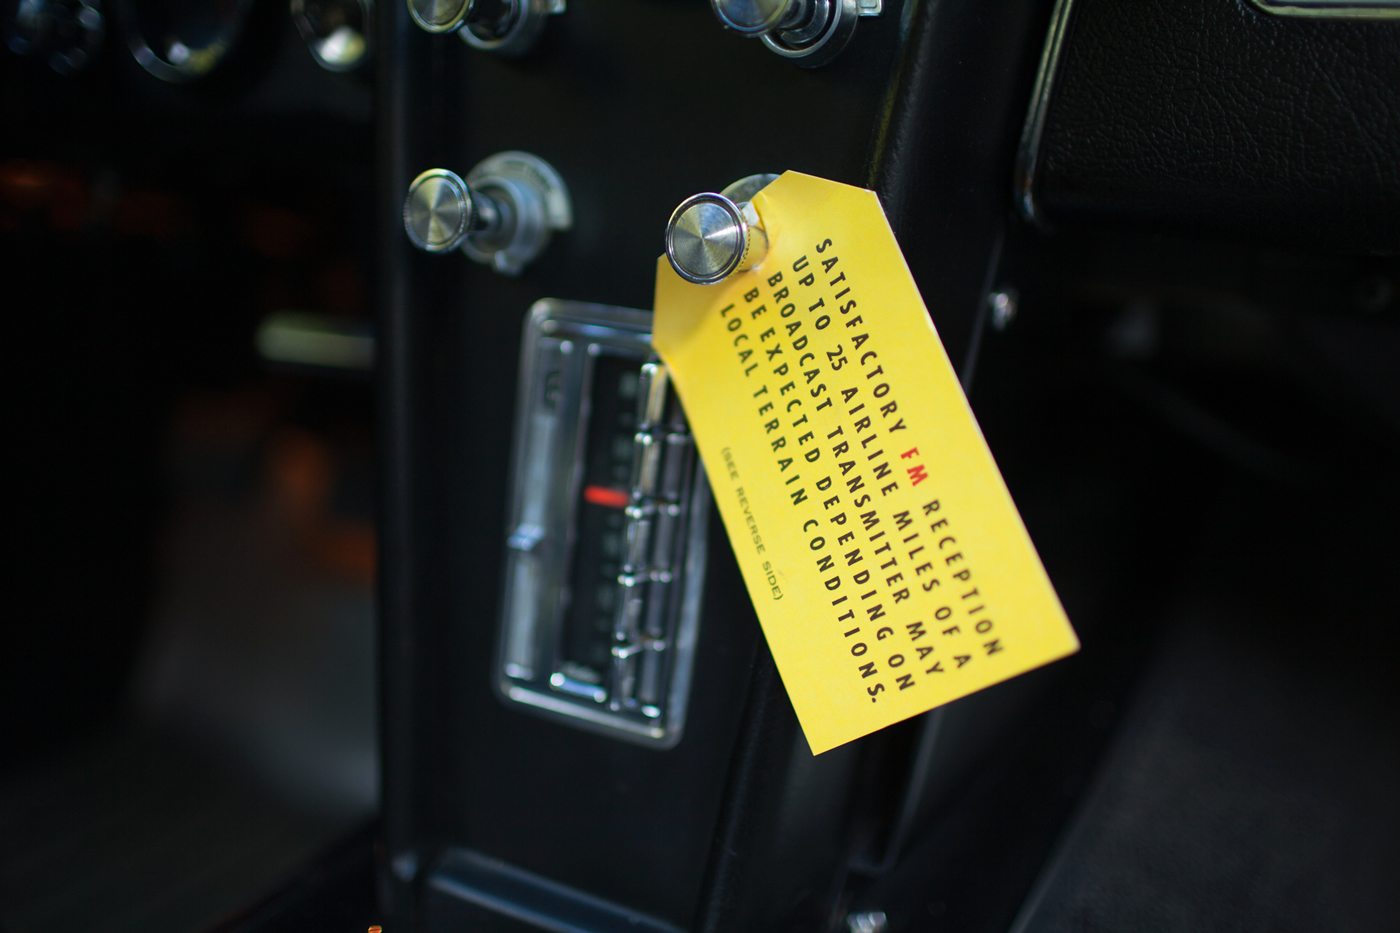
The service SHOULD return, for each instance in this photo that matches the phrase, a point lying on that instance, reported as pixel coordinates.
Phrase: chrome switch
(501, 214)
(810, 32)
(712, 236)
(506, 27)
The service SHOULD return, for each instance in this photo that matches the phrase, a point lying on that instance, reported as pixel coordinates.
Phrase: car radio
(606, 541)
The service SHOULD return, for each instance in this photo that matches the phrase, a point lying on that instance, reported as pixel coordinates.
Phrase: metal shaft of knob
(441, 212)
(710, 237)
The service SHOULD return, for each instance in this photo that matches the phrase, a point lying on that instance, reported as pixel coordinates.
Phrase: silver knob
(810, 32)
(179, 42)
(439, 15)
(439, 211)
(502, 214)
(712, 236)
(66, 33)
(754, 17)
(506, 27)
(337, 31)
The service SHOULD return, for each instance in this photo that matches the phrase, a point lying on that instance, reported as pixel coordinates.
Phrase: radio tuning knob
(502, 214)
(712, 236)
(506, 27)
(809, 32)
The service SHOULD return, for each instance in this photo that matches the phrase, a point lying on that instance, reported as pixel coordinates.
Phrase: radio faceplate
(605, 556)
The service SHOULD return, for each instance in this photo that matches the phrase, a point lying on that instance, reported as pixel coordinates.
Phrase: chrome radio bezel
(547, 471)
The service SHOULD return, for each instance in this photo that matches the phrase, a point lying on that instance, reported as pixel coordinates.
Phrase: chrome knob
(336, 31)
(65, 33)
(502, 213)
(506, 27)
(810, 32)
(179, 42)
(754, 17)
(439, 211)
(439, 15)
(712, 236)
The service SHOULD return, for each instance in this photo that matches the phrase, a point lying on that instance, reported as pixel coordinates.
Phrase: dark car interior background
(331, 374)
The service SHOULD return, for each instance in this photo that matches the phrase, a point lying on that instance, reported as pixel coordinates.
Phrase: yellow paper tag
(888, 565)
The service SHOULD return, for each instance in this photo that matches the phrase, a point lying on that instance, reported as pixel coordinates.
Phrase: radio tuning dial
(502, 213)
(810, 32)
(506, 27)
(712, 236)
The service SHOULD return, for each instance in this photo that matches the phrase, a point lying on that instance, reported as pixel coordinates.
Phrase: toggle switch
(501, 214)
(712, 236)
(810, 32)
(507, 27)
